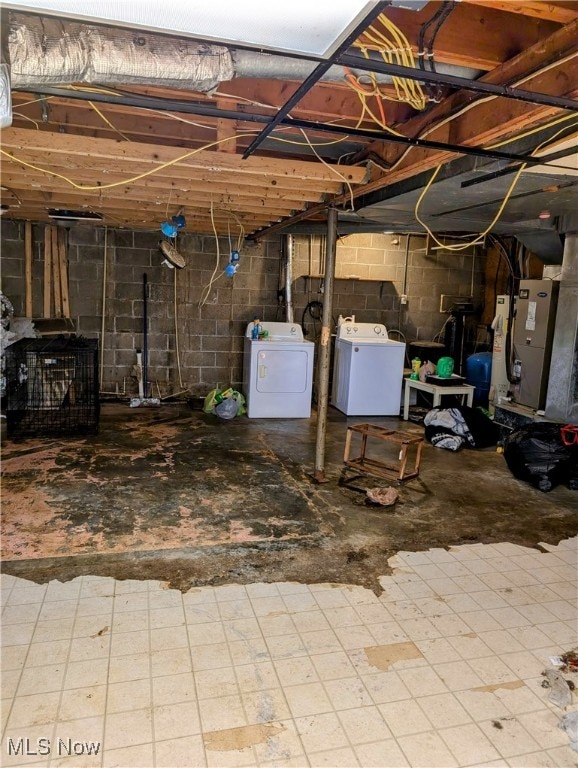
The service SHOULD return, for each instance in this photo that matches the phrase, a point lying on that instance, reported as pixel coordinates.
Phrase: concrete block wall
(371, 276)
(370, 268)
(210, 337)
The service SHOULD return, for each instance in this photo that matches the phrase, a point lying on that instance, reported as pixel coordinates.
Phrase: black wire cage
(52, 387)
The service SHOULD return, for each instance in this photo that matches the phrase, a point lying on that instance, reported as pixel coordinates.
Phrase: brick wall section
(211, 336)
(370, 272)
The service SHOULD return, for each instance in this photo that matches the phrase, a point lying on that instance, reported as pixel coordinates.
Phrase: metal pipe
(315, 76)
(104, 274)
(374, 65)
(145, 335)
(186, 107)
(289, 245)
(268, 66)
(325, 346)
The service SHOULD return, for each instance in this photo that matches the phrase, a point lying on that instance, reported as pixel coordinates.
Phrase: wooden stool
(380, 468)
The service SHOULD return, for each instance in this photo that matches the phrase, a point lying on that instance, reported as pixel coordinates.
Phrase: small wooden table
(381, 468)
(465, 390)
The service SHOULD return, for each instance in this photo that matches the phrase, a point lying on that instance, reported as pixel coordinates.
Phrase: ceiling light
(544, 215)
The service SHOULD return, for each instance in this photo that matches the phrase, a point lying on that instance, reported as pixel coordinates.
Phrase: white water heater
(499, 384)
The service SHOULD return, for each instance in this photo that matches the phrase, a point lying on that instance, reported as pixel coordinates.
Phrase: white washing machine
(367, 370)
(278, 372)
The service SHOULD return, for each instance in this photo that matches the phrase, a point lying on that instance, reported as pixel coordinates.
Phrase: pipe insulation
(46, 51)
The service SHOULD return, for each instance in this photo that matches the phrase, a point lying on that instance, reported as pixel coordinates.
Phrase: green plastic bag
(242, 409)
(211, 401)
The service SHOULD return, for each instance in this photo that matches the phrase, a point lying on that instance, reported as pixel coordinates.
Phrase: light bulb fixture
(544, 215)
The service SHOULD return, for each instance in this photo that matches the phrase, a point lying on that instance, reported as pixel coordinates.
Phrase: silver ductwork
(49, 52)
(46, 51)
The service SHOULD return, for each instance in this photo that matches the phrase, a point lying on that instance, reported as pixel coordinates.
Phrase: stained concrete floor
(175, 495)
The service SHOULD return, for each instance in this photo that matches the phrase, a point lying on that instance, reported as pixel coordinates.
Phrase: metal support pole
(289, 250)
(325, 347)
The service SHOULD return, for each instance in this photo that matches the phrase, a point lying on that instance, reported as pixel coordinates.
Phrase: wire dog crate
(52, 387)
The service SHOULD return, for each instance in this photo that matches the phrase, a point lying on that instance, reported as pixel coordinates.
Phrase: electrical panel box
(535, 317)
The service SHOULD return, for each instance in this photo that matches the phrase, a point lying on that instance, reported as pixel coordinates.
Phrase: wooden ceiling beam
(139, 220)
(473, 36)
(562, 44)
(15, 140)
(562, 13)
(55, 197)
(87, 172)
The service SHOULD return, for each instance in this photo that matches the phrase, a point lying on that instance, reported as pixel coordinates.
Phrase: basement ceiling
(135, 125)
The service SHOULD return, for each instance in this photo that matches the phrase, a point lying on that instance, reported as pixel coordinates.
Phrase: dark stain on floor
(182, 497)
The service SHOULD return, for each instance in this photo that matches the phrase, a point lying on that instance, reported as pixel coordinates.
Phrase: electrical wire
(107, 121)
(446, 11)
(207, 289)
(331, 168)
(482, 100)
(157, 169)
(481, 236)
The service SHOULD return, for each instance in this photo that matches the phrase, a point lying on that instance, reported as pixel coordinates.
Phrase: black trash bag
(536, 454)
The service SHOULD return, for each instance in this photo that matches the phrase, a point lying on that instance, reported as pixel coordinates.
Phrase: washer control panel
(362, 331)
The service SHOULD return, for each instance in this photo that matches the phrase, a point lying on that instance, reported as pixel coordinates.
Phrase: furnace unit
(533, 333)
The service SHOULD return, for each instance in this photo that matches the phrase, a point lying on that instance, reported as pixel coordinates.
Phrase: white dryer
(278, 372)
(367, 370)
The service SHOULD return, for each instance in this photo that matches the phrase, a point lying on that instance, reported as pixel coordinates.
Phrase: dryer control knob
(377, 330)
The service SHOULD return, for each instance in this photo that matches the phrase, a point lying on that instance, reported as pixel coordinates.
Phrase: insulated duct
(47, 51)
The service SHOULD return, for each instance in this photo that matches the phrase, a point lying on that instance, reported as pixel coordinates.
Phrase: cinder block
(382, 273)
(124, 341)
(142, 239)
(12, 267)
(369, 256)
(88, 325)
(213, 376)
(88, 273)
(216, 344)
(11, 230)
(85, 234)
(133, 257)
(133, 325)
(12, 249)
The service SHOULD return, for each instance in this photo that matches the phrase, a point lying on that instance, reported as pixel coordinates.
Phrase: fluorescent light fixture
(66, 215)
(313, 27)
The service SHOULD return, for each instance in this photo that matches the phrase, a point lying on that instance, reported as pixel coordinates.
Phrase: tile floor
(443, 669)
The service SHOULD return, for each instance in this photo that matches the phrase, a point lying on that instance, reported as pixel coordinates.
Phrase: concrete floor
(175, 495)
(177, 592)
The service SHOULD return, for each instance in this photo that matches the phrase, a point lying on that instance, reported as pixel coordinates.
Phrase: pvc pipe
(289, 278)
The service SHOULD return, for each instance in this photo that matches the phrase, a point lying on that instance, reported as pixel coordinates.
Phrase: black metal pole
(315, 76)
(144, 335)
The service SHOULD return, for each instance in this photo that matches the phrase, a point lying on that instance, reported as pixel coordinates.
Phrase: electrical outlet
(403, 298)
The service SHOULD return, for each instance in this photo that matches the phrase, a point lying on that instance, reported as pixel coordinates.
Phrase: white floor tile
(143, 669)
(426, 749)
(380, 754)
(468, 744)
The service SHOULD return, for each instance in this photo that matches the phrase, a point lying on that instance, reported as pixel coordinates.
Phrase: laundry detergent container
(479, 375)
